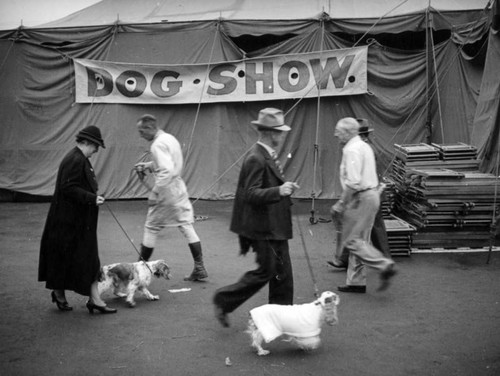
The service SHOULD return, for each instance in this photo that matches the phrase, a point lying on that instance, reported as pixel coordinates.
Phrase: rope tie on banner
(354, 45)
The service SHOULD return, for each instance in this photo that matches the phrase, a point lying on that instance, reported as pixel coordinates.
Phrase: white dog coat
(298, 320)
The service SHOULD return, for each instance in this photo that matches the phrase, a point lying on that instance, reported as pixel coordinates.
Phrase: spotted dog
(124, 279)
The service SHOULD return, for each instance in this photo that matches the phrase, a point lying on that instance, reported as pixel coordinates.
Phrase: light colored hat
(364, 126)
(272, 119)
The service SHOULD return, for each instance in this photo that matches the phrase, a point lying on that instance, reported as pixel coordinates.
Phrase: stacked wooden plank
(399, 234)
(388, 198)
(458, 151)
(450, 207)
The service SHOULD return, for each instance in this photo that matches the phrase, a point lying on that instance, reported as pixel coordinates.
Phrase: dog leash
(128, 237)
(315, 285)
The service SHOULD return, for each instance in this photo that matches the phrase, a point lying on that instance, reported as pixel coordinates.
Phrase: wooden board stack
(443, 195)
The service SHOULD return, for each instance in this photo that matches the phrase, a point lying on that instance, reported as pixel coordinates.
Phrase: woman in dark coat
(69, 258)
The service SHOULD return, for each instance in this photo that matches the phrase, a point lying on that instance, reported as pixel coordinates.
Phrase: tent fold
(41, 118)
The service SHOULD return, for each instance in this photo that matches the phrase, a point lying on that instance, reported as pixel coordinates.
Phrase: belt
(364, 190)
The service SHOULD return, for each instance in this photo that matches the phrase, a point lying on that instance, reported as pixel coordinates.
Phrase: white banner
(336, 72)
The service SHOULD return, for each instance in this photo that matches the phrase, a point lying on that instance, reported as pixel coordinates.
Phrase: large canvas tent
(433, 76)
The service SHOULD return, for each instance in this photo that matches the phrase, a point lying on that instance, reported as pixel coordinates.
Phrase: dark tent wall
(41, 118)
(486, 132)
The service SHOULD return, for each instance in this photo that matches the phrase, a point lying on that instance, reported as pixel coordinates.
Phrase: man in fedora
(379, 232)
(378, 235)
(262, 219)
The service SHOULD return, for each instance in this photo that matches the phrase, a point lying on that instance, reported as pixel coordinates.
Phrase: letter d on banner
(100, 82)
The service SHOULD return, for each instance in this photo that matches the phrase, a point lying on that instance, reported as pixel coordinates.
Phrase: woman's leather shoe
(63, 306)
(103, 309)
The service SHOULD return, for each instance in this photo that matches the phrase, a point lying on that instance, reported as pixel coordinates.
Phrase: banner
(335, 72)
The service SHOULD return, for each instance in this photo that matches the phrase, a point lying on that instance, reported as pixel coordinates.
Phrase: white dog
(298, 323)
(126, 278)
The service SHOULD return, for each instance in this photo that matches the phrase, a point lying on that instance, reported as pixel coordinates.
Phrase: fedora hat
(364, 126)
(271, 119)
(92, 134)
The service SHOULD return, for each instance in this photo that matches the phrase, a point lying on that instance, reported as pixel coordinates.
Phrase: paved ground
(441, 316)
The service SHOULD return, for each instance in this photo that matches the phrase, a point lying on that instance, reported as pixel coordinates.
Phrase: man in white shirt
(357, 208)
(168, 201)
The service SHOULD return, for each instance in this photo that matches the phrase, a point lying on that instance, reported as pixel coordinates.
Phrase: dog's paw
(261, 352)
(154, 297)
(131, 304)
(120, 294)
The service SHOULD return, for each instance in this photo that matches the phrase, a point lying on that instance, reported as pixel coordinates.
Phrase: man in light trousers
(168, 200)
(357, 208)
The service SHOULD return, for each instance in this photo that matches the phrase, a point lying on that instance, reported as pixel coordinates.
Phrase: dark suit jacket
(259, 211)
(69, 257)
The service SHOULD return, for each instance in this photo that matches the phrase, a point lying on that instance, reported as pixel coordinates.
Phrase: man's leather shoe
(337, 265)
(221, 316)
(352, 288)
(385, 278)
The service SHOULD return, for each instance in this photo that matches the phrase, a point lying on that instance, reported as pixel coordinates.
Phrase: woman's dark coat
(69, 258)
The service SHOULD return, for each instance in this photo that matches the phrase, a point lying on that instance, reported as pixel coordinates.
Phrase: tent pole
(428, 62)
(494, 217)
(436, 80)
(312, 219)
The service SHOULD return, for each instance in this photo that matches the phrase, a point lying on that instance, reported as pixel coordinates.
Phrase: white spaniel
(298, 323)
(127, 278)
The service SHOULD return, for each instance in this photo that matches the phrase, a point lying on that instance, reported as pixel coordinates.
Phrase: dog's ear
(165, 270)
(162, 270)
(124, 272)
(335, 298)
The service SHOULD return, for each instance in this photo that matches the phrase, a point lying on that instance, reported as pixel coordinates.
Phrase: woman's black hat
(92, 134)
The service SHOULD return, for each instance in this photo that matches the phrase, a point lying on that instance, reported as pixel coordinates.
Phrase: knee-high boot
(199, 272)
(146, 253)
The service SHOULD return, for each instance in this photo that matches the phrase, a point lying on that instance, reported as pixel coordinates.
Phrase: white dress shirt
(358, 169)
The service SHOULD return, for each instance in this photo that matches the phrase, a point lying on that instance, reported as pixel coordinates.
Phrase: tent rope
(224, 173)
(14, 40)
(113, 36)
(216, 34)
(354, 45)
(433, 88)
